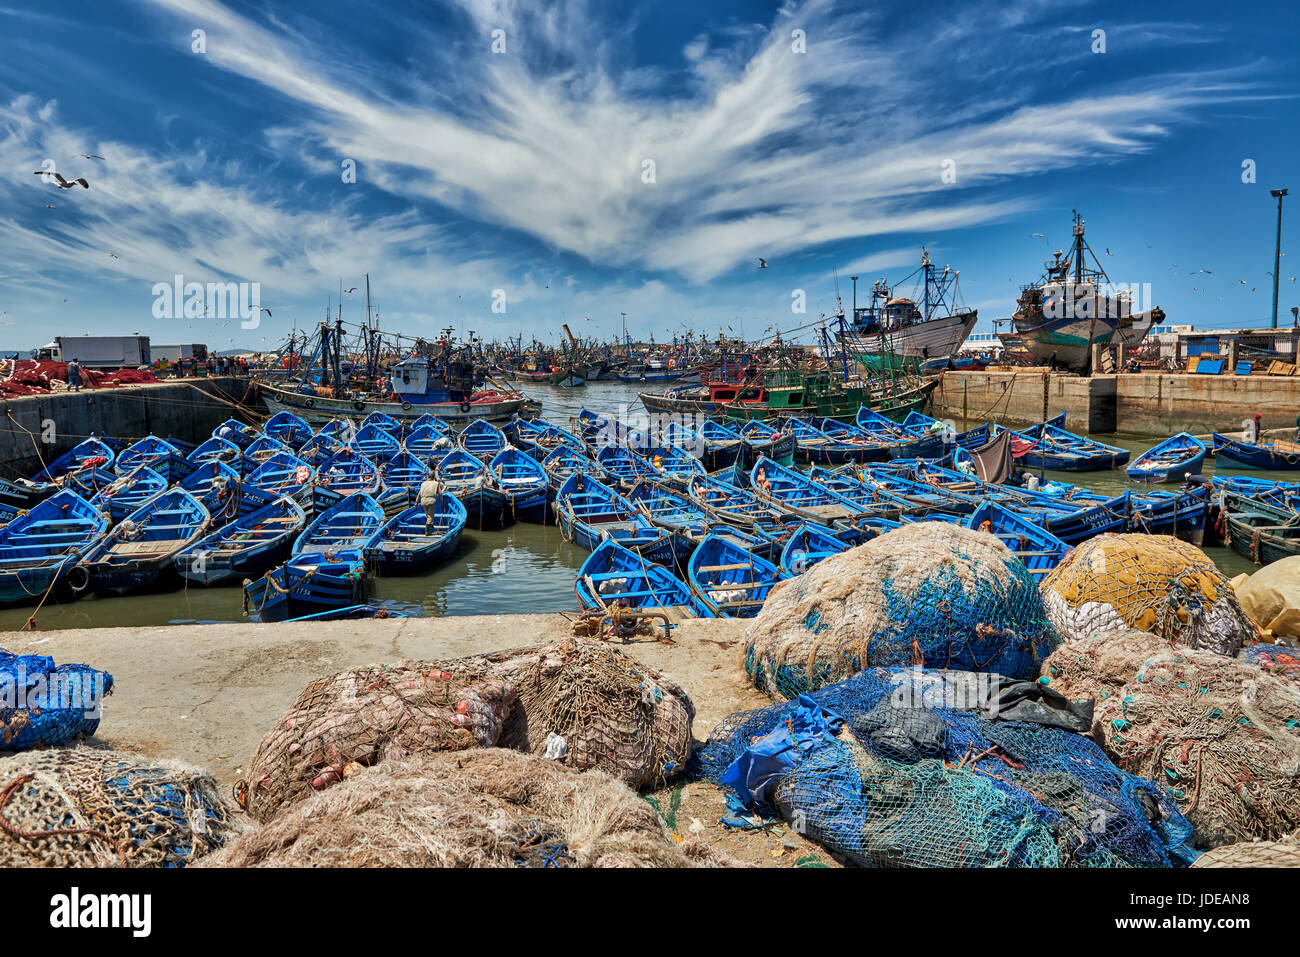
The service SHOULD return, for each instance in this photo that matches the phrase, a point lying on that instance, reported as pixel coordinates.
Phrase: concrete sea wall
(185, 408)
(1149, 404)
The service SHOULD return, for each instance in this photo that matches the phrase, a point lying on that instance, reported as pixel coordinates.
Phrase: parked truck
(99, 352)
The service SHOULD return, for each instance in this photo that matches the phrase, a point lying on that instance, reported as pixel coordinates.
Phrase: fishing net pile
(87, 807)
(592, 706)
(482, 808)
(1252, 854)
(909, 767)
(44, 705)
(584, 704)
(931, 593)
(1152, 583)
(345, 722)
(1097, 667)
(29, 377)
(1278, 660)
(1271, 596)
(1221, 734)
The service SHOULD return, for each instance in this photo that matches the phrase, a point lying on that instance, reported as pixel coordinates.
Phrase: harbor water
(521, 569)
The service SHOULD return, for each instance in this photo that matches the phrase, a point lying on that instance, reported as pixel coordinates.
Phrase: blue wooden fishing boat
(540, 439)
(244, 548)
(563, 462)
(762, 438)
(685, 520)
(348, 471)
(1054, 448)
(482, 439)
(409, 542)
(1260, 530)
(237, 432)
(624, 467)
(218, 487)
(287, 428)
(714, 444)
(730, 581)
(283, 473)
(89, 450)
(135, 552)
(1274, 456)
(426, 442)
(383, 421)
(589, 512)
(1035, 546)
(815, 446)
(375, 442)
(808, 545)
(794, 493)
(125, 493)
(523, 481)
(429, 420)
(672, 465)
(470, 480)
(158, 454)
(901, 442)
(320, 447)
(864, 496)
(1175, 458)
(616, 577)
(215, 450)
(731, 504)
(259, 450)
(326, 568)
(42, 545)
(310, 584)
(404, 470)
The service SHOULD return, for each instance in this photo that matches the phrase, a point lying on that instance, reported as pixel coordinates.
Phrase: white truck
(99, 352)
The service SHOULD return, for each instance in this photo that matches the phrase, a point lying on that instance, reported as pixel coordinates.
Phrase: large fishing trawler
(928, 328)
(1072, 308)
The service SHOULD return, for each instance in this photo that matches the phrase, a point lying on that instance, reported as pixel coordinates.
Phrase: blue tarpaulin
(756, 771)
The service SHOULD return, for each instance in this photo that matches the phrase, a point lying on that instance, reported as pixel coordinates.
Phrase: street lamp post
(1277, 251)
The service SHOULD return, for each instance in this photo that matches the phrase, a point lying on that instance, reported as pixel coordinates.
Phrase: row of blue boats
(705, 516)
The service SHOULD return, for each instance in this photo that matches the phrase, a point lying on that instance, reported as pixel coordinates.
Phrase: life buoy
(1292, 459)
(406, 407)
(358, 405)
(465, 407)
(310, 403)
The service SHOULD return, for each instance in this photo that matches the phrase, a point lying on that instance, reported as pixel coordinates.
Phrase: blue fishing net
(885, 772)
(1275, 659)
(44, 705)
(946, 618)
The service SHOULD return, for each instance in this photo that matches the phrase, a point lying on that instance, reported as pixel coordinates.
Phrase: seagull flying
(265, 310)
(90, 156)
(62, 183)
(762, 264)
(353, 289)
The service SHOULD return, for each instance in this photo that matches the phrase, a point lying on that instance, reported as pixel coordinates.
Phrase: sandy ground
(206, 694)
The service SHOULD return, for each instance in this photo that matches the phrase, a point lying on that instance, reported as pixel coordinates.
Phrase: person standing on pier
(1255, 429)
(74, 375)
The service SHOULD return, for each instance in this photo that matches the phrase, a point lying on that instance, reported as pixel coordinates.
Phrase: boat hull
(320, 409)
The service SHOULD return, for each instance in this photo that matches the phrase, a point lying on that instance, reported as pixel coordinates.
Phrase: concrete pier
(207, 694)
(1151, 404)
(185, 408)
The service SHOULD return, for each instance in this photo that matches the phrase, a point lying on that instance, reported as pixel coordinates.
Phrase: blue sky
(524, 170)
